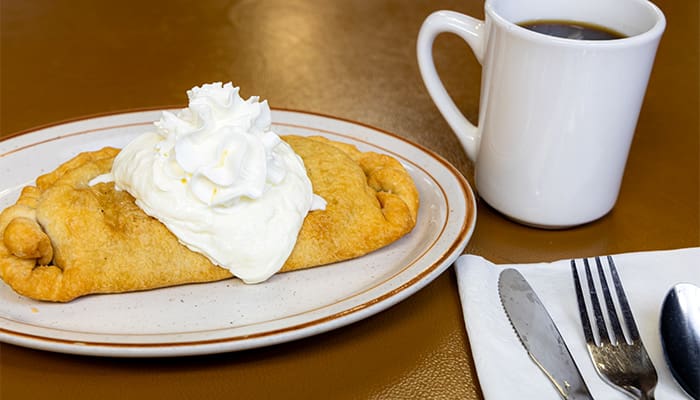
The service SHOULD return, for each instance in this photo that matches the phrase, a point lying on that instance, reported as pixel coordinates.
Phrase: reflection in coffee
(572, 30)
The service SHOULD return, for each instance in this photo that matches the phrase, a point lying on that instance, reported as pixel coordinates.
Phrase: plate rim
(335, 320)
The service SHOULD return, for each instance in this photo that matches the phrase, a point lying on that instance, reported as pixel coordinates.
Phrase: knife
(540, 336)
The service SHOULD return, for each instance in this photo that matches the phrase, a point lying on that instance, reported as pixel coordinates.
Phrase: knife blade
(540, 337)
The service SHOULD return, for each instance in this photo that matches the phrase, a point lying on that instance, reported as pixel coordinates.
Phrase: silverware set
(611, 335)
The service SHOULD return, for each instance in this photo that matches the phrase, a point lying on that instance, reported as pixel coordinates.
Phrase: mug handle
(472, 31)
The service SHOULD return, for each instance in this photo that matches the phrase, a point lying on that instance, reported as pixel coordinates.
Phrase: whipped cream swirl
(218, 177)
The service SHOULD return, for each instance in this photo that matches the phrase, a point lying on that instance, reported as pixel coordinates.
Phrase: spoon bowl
(680, 336)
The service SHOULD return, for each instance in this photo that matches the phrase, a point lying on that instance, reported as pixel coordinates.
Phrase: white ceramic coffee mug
(557, 116)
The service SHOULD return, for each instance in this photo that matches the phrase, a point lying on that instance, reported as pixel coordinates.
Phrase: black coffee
(572, 30)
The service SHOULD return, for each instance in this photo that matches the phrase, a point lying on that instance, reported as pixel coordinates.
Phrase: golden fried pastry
(371, 202)
(65, 238)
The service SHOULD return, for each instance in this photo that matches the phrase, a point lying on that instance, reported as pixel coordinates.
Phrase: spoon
(680, 336)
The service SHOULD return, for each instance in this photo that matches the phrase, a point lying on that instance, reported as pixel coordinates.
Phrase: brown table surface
(353, 59)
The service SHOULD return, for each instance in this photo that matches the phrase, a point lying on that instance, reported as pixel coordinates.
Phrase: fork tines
(619, 356)
(611, 308)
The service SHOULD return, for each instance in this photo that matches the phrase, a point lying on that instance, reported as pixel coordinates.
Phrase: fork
(621, 360)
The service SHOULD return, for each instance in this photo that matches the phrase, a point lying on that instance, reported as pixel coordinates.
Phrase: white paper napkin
(506, 372)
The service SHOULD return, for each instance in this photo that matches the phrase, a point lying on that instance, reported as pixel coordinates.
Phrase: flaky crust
(371, 202)
(65, 238)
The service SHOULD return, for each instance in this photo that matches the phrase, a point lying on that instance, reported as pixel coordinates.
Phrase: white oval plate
(228, 315)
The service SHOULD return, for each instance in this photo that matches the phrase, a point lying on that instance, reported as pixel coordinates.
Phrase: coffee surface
(572, 30)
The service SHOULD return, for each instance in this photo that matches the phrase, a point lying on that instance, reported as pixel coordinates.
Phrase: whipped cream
(218, 177)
